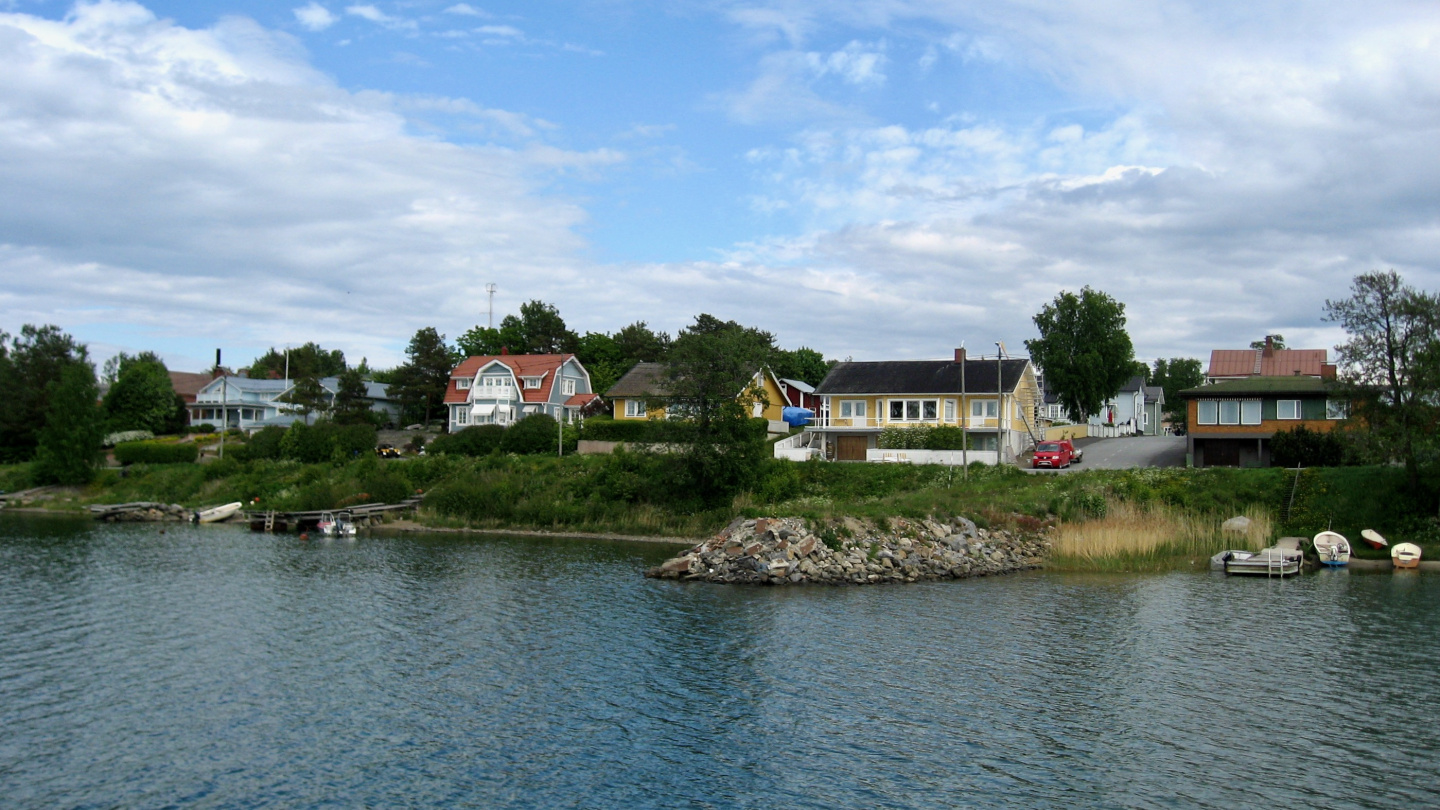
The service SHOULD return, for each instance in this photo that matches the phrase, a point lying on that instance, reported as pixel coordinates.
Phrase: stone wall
(782, 551)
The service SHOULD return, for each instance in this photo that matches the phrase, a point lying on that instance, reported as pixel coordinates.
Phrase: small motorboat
(1373, 539)
(326, 526)
(216, 513)
(1332, 548)
(338, 525)
(1283, 559)
(1405, 555)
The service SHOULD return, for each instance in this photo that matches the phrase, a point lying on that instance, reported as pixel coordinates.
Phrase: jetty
(365, 514)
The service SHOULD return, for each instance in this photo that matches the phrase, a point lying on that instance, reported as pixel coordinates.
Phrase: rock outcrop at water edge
(786, 551)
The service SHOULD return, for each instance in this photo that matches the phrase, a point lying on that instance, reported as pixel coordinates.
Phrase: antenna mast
(490, 288)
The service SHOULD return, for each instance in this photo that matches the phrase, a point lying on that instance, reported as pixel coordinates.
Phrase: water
(213, 667)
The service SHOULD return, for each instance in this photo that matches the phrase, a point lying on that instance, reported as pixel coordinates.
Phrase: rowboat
(1405, 555)
(1332, 548)
(217, 513)
(1373, 539)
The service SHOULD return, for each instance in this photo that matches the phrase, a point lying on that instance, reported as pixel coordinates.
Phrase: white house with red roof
(505, 388)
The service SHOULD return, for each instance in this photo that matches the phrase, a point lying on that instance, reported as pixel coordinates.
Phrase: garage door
(851, 448)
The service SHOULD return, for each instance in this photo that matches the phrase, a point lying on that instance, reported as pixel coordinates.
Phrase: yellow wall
(1021, 401)
(775, 398)
(655, 411)
(1066, 432)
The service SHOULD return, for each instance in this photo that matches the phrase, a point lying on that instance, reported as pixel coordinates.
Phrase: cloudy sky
(877, 179)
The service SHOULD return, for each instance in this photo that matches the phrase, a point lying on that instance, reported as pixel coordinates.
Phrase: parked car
(1054, 454)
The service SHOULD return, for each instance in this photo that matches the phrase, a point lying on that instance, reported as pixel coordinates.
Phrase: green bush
(1303, 447)
(326, 441)
(536, 434)
(477, 440)
(205, 427)
(264, 443)
(945, 437)
(128, 453)
(637, 431)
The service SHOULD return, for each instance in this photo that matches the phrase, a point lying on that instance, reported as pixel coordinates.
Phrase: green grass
(634, 494)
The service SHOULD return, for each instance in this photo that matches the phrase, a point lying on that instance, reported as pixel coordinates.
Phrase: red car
(1054, 454)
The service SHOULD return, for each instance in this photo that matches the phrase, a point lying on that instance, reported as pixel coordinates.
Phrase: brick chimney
(504, 350)
(1269, 346)
(960, 355)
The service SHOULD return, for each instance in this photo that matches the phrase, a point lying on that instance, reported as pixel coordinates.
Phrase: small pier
(365, 514)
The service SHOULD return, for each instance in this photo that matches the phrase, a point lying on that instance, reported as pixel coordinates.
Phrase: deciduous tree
(1175, 375)
(141, 397)
(1084, 349)
(309, 360)
(69, 444)
(33, 360)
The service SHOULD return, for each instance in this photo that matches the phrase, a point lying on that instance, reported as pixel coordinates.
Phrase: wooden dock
(365, 514)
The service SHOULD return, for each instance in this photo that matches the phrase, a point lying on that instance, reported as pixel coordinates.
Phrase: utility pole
(964, 422)
(490, 288)
(999, 398)
(224, 402)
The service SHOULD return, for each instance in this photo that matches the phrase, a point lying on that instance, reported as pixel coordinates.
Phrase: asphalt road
(1128, 452)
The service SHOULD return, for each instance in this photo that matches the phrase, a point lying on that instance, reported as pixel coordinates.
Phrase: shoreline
(405, 526)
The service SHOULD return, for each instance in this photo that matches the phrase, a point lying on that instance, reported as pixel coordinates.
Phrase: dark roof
(919, 377)
(1262, 385)
(1135, 383)
(644, 380)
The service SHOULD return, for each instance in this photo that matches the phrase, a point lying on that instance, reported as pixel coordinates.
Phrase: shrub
(904, 438)
(127, 436)
(201, 428)
(945, 437)
(128, 453)
(536, 434)
(1303, 447)
(264, 443)
(326, 441)
(477, 440)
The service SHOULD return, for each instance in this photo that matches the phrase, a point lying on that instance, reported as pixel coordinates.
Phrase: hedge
(156, 453)
(654, 431)
(476, 440)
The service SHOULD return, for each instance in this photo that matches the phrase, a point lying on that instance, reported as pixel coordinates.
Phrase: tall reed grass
(1151, 536)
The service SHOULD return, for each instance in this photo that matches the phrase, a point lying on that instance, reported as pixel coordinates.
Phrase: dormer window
(462, 384)
(532, 382)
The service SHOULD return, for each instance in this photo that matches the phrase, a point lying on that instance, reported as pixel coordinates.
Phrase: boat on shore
(217, 513)
(1405, 555)
(1282, 560)
(1332, 548)
(1373, 539)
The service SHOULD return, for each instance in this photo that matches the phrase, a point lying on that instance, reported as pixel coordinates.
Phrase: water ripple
(214, 667)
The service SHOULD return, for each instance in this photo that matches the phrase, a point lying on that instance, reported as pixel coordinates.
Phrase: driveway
(1128, 452)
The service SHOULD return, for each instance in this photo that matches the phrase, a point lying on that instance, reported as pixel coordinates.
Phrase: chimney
(1327, 371)
(504, 350)
(1269, 346)
(960, 355)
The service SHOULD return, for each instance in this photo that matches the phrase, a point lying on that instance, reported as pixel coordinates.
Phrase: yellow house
(642, 394)
(995, 401)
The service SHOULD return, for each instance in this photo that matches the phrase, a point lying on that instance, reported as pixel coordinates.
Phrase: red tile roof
(579, 399)
(1280, 363)
(521, 365)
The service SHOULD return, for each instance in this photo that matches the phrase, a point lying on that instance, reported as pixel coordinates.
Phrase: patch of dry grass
(1151, 536)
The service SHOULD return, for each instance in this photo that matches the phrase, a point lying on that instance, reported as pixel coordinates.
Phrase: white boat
(1280, 560)
(217, 513)
(1374, 539)
(1405, 555)
(340, 525)
(1332, 548)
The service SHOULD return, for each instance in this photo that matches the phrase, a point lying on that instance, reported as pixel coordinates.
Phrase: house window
(983, 408)
(1337, 409)
(929, 409)
(461, 385)
(1207, 412)
(1230, 412)
(462, 416)
(532, 382)
(568, 387)
(1250, 412)
(913, 410)
(852, 409)
(634, 408)
(949, 410)
(1287, 409)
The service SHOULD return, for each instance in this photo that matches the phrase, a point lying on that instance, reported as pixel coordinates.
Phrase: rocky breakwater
(785, 551)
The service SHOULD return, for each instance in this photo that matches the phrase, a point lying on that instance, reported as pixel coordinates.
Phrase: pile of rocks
(781, 551)
(146, 512)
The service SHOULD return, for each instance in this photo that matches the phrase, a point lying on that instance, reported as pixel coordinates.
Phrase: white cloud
(466, 9)
(315, 17)
(854, 63)
(375, 15)
(210, 184)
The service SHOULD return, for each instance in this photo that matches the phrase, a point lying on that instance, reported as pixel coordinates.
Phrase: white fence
(797, 447)
(953, 458)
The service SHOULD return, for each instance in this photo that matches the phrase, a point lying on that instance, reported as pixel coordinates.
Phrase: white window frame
(634, 408)
(1295, 409)
(1233, 406)
(462, 384)
(1207, 412)
(531, 383)
(852, 409)
(567, 387)
(949, 410)
(1337, 409)
(914, 410)
(984, 409)
(462, 416)
(1250, 412)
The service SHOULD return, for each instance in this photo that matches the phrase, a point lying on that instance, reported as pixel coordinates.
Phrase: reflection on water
(209, 665)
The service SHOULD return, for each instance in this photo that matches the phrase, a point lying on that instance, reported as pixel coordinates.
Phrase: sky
(874, 180)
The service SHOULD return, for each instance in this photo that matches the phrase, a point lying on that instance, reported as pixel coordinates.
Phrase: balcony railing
(876, 423)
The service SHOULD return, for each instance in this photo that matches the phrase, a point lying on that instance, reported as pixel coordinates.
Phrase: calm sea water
(213, 667)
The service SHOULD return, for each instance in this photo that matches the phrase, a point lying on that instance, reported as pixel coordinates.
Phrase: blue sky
(877, 180)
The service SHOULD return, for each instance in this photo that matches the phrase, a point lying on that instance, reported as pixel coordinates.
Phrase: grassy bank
(1146, 519)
